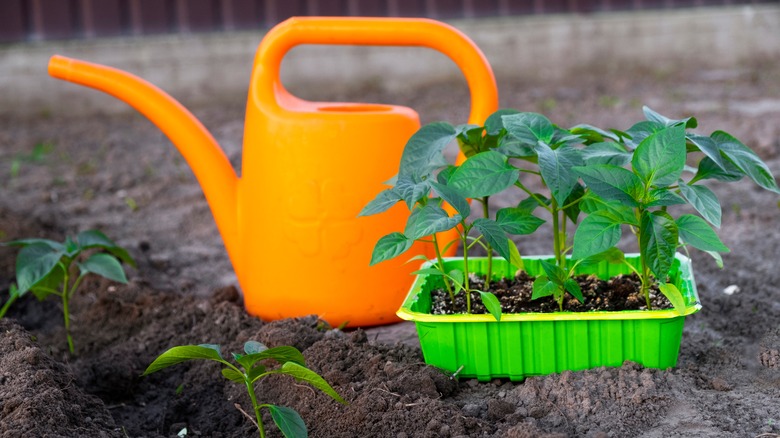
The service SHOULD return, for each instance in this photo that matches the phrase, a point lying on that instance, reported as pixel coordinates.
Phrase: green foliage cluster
(596, 184)
(45, 267)
(251, 368)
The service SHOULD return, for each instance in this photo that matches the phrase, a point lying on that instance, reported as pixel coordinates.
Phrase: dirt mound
(38, 395)
(119, 174)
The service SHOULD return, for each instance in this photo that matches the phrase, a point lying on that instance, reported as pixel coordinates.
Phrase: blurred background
(201, 51)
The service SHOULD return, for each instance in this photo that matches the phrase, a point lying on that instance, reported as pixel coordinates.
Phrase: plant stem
(7, 304)
(251, 390)
(440, 260)
(645, 270)
(66, 310)
(556, 233)
(533, 195)
(466, 287)
(489, 275)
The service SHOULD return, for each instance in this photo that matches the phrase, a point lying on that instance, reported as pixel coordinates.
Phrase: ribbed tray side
(518, 349)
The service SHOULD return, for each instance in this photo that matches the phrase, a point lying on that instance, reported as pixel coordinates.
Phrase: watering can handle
(377, 32)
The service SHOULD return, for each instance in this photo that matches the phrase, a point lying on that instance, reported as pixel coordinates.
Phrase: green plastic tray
(530, 344)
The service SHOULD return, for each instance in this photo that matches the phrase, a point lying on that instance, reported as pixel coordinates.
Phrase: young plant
(657, 150)
(424, 172)
(44, 267)
(549, 153)
(250, 369)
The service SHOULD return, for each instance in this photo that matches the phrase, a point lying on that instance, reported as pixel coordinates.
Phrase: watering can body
(290, 222)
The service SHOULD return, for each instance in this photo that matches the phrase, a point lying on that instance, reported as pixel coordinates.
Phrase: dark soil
(119, 174)
(622, 292)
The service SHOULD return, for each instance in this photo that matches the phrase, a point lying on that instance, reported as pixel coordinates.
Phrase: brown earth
(119, 174)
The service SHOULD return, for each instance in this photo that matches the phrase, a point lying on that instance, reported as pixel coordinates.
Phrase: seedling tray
(530, 344)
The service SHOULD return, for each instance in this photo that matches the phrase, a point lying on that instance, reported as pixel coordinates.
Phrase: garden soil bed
(119, 174)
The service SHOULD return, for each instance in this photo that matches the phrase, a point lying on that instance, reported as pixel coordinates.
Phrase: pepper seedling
(424, 172)
(657, 150)
(44, 267)
(251, 370)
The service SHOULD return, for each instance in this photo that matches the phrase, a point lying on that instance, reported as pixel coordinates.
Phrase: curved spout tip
(60, 67)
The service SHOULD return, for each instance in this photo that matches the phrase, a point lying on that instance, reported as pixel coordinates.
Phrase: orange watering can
(290, 223)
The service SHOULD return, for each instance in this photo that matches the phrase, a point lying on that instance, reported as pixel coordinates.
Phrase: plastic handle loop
(377, 32)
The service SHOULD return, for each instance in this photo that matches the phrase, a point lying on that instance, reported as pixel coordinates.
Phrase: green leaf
(494, 235)
(556, 168)
(543, 287)
(283, 354)
(56, 246)
(96, 239)
(529, 204)
(34, 262)
(717, 257)
(184, 353)
(456, 275)
(674, 296)
(232, 375)
(663, 198)
(254, 373)
(514, 255)
(703, 200)
(640, 131)
(252, 347)
(660, 158)
(612, 183)
(304, 374)
(411, 190)
(658, 242)
(494, 123)
(515, 220)
(592, 134)
(423, 152)
(529, 128)
(572, 205)
(653, 116)
(708, 169)
(491, 304)
(288, 421)
(470, 140)
(484, 174)
(612, 256)
(554, 272)
(104, 265)
(420, 257)
(71, 248)
(694, 231)
(383, 201)
(709, 147)
(746, 160)
(444, 175)
(390, 246)
(453, 197)
(427, 220)
(597, 233)
(562, 137)
(574, 289)
(591, 203)
(514, 148)
(606, 153)
(49, 284)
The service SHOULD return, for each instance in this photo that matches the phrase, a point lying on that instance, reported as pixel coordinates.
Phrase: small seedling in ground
(37, 156)
(251, 370)
(44, 267)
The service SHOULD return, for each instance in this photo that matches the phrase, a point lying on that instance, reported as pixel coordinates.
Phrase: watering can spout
(207, 160)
